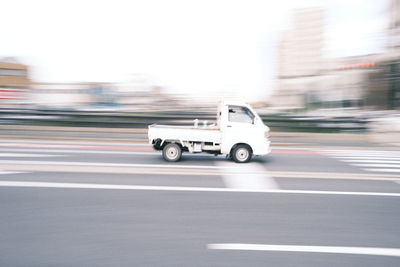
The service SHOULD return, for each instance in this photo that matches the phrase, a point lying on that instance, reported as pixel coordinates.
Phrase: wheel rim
(242, 154)
(172, 153)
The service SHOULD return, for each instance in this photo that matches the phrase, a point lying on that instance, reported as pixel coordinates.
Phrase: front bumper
(262, 149)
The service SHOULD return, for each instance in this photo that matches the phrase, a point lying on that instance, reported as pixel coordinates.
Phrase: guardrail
(143, 119)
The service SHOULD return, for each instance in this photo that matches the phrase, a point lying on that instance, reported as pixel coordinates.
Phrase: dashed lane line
(391, 252)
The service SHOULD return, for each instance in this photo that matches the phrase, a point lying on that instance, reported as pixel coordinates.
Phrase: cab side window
(240, 114)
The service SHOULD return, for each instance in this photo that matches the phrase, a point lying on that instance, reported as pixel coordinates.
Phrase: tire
(241, 153)
(172, 152)
(157, 145)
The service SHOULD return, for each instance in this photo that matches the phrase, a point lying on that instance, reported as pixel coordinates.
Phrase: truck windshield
(240, 114)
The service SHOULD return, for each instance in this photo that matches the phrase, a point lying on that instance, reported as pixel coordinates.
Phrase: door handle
(229, 126)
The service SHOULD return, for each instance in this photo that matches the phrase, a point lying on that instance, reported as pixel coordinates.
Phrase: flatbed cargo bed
(185, 133)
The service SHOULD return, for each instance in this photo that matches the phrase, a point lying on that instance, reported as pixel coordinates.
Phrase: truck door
(240, 127)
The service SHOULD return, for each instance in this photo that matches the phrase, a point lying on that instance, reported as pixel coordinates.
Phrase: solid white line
(6, 172)
(81, 151)
(378, 165)
(372, 161)
(24, 155)
(382, 170)
(367, 157)
(66, 142)
(346, 154)
(393, 252)
(104, 164)
(366, 153)
(246, 176)
(93, 167)
(363, 152)
(178, 188)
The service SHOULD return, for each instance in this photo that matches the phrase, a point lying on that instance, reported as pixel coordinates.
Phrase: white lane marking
(24, 155)
(377, 154)
(104, 164)
(382, 170)
(62, 145)
(393, 252)
(367, 158)
(85, 143)
(361, 152)
(52, 166)
(7, 172)
(178, 188)
(81, 151)
(330, 175)
(378, 165)
(372, 161)
(246, 176)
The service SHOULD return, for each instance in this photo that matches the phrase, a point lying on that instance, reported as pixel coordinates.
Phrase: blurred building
(308, 80)
(392, 55)
(300, 50)
(299, 58)
(136, 95)
(394, 25)
(14, 82)
(61, 95)
(139, 93)
(349, 82)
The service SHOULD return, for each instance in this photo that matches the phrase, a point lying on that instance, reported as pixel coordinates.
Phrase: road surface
(119, 204)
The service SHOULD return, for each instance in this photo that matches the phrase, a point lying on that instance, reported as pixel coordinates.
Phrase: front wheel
(172, 152)
(242, 153)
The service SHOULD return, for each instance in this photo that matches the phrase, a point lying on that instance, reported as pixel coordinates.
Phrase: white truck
(238, 133)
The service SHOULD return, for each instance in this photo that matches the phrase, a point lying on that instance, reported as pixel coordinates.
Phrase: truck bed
(185, 133)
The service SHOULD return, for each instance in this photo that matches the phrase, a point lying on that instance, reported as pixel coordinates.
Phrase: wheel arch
(163, 142)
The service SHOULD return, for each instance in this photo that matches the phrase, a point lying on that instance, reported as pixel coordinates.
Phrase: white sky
(194, 47)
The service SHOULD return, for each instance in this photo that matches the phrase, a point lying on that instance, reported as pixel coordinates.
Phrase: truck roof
(233, 102)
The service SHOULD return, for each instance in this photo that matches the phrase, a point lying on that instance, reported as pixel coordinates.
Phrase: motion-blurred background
(81, 80)
(304, 65)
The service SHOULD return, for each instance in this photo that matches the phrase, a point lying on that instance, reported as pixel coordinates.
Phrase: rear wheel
(172, 152)
(241, 153)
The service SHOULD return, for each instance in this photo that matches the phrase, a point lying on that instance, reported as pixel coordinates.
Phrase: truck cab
(238, 133)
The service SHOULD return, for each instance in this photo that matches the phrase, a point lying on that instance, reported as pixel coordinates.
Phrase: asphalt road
(119, 204)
